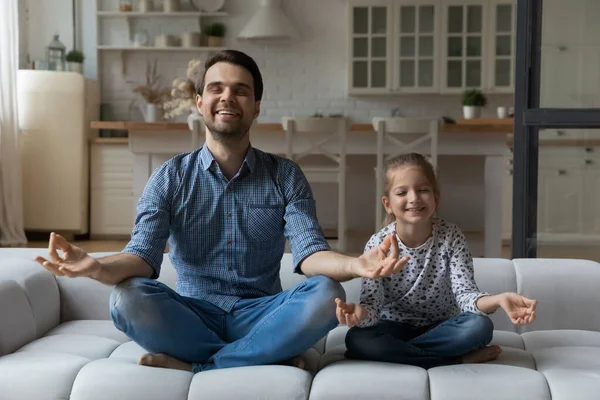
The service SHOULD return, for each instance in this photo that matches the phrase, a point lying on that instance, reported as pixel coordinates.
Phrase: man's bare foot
(482, 355)
(297, 362)
(164, 361)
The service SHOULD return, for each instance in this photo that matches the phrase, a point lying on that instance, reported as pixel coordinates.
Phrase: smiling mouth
(415, 209)
(227, 113)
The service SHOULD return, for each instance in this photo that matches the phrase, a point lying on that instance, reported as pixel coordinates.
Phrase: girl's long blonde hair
(408, 160)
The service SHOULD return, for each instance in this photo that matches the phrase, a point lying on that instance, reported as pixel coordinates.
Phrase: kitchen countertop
(485, 125)
(488, 125)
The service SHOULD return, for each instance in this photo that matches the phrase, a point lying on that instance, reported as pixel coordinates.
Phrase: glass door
(556, 183)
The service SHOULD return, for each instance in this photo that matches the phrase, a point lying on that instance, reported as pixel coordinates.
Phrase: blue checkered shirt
(226, 238)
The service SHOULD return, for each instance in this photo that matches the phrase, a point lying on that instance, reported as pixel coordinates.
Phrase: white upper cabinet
(370, 46)
(503, 35)
(463, 44)
(431, 46)
(415, 41)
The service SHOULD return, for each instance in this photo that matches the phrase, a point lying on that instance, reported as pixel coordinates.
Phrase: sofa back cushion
(17, 325)
(496, 275)
(33, 294)
(568, 292)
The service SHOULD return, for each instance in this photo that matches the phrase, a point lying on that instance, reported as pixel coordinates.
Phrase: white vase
(170, 6)
(75, 67)
(471, 112)
(194, 116)
(151, 112)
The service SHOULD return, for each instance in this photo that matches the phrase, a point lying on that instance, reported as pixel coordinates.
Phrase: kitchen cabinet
(568, 195)
(431, 46)
(371, 43)
(111, 186)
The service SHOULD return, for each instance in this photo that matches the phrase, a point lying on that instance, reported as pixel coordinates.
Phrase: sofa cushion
(336, 337)
(571, 372)
(33, 375)
(514, 357)
(83, 298)
(40, 288)
(486, 381)
(265, 382)
(567, 291)
(101, 328)
(90, 347)
(508, 339)
(370, 380)
(559, 338)
(117, 378)
(17, 325)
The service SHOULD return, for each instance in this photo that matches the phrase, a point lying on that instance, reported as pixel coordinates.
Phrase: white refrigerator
(55, 111)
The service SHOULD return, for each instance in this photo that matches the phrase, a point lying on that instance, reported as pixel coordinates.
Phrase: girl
(431, 313)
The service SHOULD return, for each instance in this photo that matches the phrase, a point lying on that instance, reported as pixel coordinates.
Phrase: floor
(356, 242)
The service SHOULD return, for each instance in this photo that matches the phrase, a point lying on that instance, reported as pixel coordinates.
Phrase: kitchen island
(471, 168)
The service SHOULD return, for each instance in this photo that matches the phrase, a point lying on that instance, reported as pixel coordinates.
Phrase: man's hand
(519, 309)
(74, 263)
(377, 263)
(348, 313)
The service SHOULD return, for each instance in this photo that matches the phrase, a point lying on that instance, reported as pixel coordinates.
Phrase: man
(226, 209)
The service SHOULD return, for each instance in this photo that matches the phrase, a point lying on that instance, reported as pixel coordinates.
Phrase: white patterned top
(436, 284)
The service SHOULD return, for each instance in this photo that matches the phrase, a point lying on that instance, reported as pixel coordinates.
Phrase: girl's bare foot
(164, 361)
(482, 355)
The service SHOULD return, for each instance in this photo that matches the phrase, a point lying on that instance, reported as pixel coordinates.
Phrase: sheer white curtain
(11, 203)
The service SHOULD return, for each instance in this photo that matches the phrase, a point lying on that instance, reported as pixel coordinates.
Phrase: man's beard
(226, 133)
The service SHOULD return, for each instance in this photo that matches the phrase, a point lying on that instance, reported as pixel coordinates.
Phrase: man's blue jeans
(431, 346)
(257, 331)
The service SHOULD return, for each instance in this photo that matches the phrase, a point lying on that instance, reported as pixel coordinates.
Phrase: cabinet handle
(562, 172)
(589, 149)
(588, 162)
(560, 133)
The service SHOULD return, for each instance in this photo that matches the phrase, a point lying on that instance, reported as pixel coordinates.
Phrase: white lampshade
(269, 22)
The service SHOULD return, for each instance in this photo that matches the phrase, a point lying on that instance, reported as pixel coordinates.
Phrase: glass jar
(125, 5)
(55, 55)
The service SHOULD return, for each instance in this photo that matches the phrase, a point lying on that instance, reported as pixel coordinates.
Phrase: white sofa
(57, 342)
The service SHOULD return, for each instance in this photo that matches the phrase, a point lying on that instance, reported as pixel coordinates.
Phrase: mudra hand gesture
(380, 261)
(519, 309)
(348, 313)
(74, 263)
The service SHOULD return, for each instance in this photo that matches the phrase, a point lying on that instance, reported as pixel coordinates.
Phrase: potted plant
(215, 33)
(183, 94)
(473, 100)
(74, 60)
(153, 93)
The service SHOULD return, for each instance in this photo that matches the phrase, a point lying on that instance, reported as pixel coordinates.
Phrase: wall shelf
(123, 50)
(161, 49)
(159, 14)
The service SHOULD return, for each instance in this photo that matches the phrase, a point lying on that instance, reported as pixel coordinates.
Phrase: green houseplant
(214, 34)
(74, 60)
(473, 100)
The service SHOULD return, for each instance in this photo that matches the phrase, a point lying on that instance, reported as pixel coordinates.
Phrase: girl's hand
(348, 313)
(519, 309)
